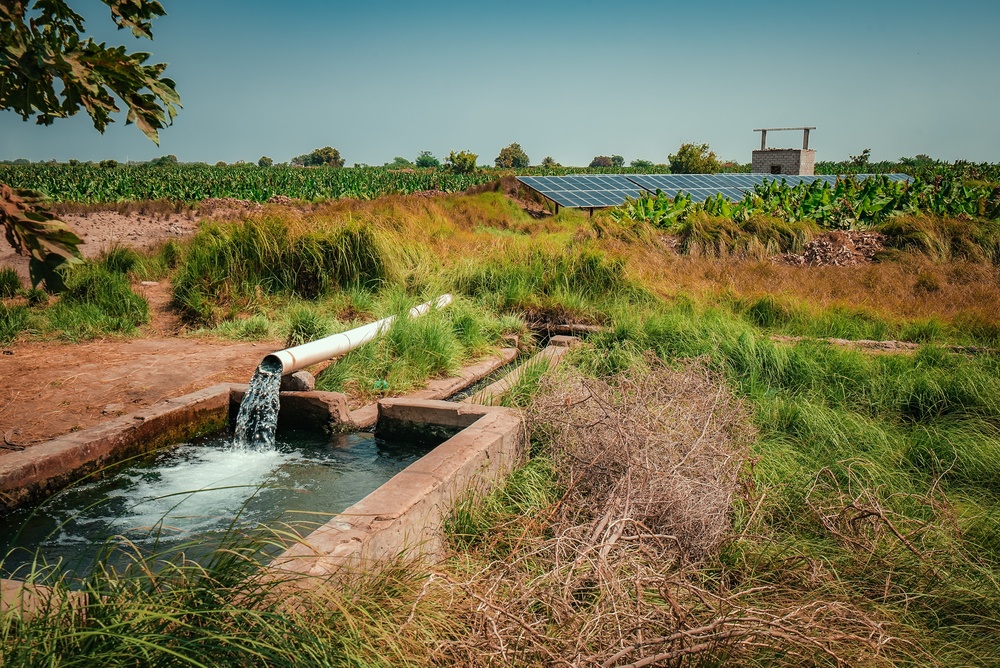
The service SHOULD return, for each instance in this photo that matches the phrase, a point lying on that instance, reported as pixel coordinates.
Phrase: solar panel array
(584, 191)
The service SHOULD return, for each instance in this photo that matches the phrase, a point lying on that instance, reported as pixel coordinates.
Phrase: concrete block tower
(795, 161)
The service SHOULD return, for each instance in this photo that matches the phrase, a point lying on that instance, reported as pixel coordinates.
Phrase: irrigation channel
(201, 495)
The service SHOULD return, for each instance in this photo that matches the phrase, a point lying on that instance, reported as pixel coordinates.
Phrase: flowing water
(257, 420)
(190, 498)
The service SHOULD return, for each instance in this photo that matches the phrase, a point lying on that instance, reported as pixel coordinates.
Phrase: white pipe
(299, 357)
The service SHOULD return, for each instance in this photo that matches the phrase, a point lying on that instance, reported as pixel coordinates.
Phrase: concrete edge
(550, 356)
(35, 473)
(405, 516)
(442, 388)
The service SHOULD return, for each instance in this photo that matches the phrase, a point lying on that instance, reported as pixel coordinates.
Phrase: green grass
(240, 263)
(10, 283)
(13, 321)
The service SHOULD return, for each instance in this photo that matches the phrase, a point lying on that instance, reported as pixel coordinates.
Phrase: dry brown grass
(618, 571)
(912, 287)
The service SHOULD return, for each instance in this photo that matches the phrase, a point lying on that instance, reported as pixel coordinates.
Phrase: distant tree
(694, 159)
(22, 161)
(512, 157)
(641, 164)
(617, 161)
(463, 162)
(265, 161)
(221, 163)
(164, 161)
(427, 159)
(399, 163)
(862, 159)
(601, 161)
(73, 162)
(320, 157)
(548, 162)
(108, 164)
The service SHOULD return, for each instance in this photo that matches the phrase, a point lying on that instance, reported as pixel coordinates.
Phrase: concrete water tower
(796, 161)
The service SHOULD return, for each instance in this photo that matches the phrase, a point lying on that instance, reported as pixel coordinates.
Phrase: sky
(571, 80)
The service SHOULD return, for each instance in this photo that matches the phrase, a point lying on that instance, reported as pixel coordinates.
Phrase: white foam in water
(196, 494)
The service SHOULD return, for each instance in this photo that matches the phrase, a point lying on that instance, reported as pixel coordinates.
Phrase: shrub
(641, 164)
(548, 162)
(265, 161)
(512, 157)
(694, 159)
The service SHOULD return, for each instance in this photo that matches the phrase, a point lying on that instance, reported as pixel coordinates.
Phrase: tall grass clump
(228, 610)
(96, 301)
(945, 239)
(573, 281)
(757, 237)
(305, 324)
(13, 321)
(240, 262)
(10, 283)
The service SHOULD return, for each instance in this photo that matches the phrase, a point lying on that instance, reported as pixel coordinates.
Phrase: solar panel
(585, 191)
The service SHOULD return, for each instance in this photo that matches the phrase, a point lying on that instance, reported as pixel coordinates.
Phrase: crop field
(778, 446)
(191, 183)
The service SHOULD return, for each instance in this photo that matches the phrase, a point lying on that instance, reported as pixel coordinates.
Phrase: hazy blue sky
(566, 79)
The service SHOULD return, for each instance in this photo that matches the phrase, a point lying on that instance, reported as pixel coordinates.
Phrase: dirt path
(47, 389)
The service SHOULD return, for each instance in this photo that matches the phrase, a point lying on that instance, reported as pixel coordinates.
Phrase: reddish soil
(50, 388)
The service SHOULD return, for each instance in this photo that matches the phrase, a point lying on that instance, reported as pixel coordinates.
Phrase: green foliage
(602, 161)
(641, 164)
(617, 161)
(463, 162)
(265, 161)
(38, 50)
(13, 320)
(512, 157)
(851, 203)
(31, 229)
(486, 522)
(254, 328)
(108, 164)
(239, 262)
(93, 284)
(10, 282)
(120, 259)
(320, 157)
(399, 163)
(163, 161)
(427, 159)
(305, 324)
(548, 162)
(694, 159)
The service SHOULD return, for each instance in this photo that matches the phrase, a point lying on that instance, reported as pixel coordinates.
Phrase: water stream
(257, 420)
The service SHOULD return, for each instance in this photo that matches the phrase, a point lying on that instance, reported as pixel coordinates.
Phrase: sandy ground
(50, 388)
(100, 231)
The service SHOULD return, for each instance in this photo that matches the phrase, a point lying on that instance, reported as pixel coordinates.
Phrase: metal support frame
(805, 136)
